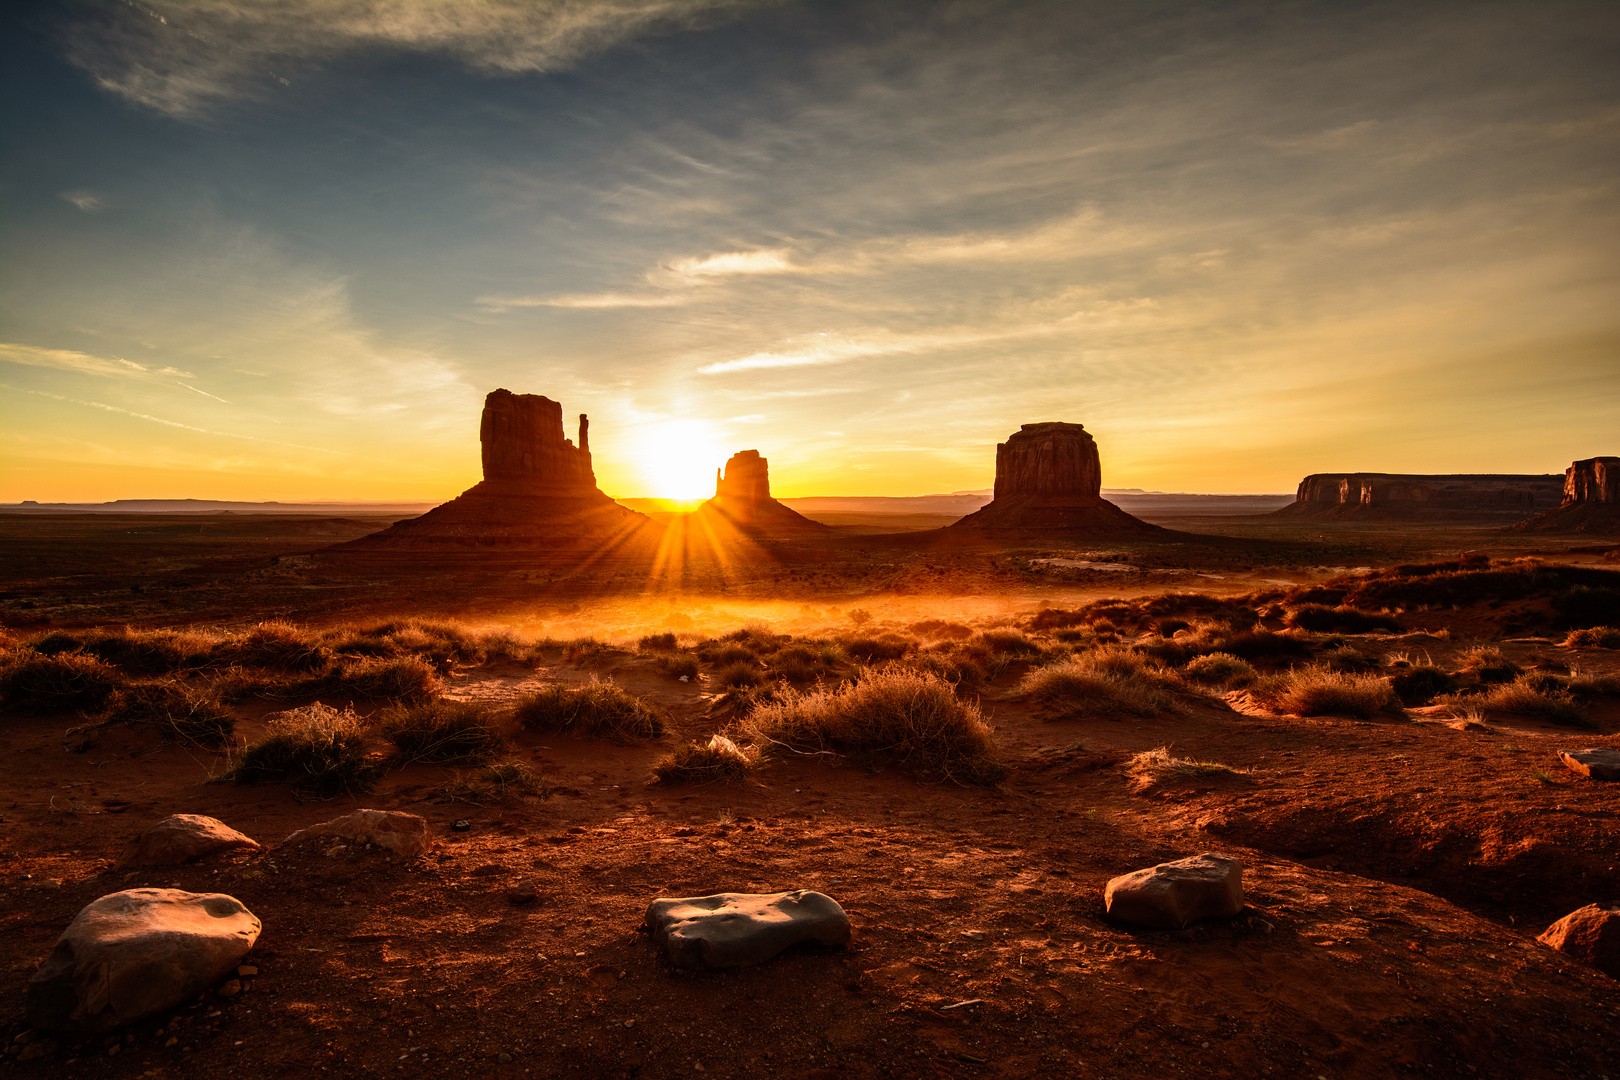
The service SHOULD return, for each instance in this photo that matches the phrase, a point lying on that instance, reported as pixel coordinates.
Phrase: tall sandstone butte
(1416, 495)
(539, 489)
(742, 496)
(1049, 479)
(1591, 502)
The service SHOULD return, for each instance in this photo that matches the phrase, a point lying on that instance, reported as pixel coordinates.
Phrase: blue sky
(282, 250)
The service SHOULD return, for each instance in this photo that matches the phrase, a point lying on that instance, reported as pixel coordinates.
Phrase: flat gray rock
(134, 953)
(182, 837)
(1173, 894)
(739, 929)
(1600, 763)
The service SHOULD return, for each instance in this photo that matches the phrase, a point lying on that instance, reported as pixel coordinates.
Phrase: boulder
(739, 929)
(404, 834)
(1599, 763)
(1590, 935)
(134, 953)
(1049, 479)
(182, 837)
(1173, 894)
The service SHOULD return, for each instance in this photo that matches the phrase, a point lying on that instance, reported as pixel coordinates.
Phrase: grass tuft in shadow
(31, 683)
(1156, 766)
(1103, 683)
(720, 759)
(315, 748)
(599, 709)
(497, 783)
(449, 731)
(1317, 691)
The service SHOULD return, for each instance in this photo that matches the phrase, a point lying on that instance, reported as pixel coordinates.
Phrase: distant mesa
(742, 496)
(1049, 479)
(538, 489)
(1591, 502)
(1412, 496)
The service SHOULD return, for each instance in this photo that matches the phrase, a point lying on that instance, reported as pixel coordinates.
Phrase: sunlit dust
(678, 458)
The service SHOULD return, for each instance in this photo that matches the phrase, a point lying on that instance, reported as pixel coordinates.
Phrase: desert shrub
(1170, 607)
(1421, 684)
(505, 646)
(179, 712)
(1348, 659)
(1082, 636)
(906, 716)
(1602, 637)
(1323, 619)
(1263, 645)
(802, 663)
(315, 748)
(1007, 643)
(1158, 767)
(1527, 696)
(599, 709)
(961, 671)
(1316, 691)
(1582, 685)
(1220, 669)
(1489, 665)
(1472, 579)
(940, 630)
(730, 655)
(679, 665)
(32, 683)
(658, 643)
(460, 731)
(277, 645)
(139, 652)
(1582, 606)
(742, 700)
(733, 675)
(497, 783)
(442, 644)
(402, 678)
(1314, 594)
(1073, 689)
(587, 652)
(870, 650)
(719, 759)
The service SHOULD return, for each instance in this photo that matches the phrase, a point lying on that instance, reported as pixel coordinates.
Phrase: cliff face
(1376, 495)
(742, 496)
(1049, 480)
(539, 489)
(1591, 501)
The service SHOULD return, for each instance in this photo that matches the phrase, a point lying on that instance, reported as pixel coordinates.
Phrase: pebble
(230, 988)
(247, 971)
(504, 1059)
(525, 893)
(460, 826)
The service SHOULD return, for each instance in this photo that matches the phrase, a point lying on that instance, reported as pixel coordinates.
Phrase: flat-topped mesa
(523, 443)
(538, 492)
(1049, 480)
(742, 495)
(1417, 495)
(1591, 500)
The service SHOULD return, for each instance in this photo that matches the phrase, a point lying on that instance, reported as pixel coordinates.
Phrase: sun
(678, 458)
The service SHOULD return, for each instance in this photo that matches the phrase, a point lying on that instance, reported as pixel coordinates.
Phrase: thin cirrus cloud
(84, 364)
(89, 202)
(839, 349)
(181, 57)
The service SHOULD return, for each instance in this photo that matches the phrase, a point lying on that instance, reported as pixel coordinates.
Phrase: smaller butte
(1591, 501)
(1049, 480)
(742, 497)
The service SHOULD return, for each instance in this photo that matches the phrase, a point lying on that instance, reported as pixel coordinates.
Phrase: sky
(281, 249)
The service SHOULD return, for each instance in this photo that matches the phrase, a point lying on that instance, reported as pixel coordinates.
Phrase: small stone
(26, 1036)
(1590, 935)
(1599, 763)
(460, 826)
(182, 837)
(525, 893)
(399, 832)
(34, 1050)
(247, 971)
(230, 988)
(1173, 894)
(171, 1043)
(504, 1059)
(740, 929)
(113, 1049)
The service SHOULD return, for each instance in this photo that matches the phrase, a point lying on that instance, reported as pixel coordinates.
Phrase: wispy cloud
(88, 202)
(583, 300)
(85, 364)
(829, 348)
(181, 56)
(734, 262)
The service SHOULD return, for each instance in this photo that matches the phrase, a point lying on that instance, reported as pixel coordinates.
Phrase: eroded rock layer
(1591, 500)
(539, 489)
(1049, 479)
(1411, 495)
(742, 496)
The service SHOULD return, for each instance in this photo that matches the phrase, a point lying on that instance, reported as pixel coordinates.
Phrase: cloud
(734, 262)
(85, 364)
(181, 56)
(84, 200)
(838, 349)
(582, 300)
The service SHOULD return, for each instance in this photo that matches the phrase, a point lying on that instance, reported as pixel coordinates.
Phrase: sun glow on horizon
(677, 459)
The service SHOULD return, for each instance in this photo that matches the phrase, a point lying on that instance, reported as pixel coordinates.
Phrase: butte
(539, 490)
(742, 498)
(1049, 481)
(1591, 501)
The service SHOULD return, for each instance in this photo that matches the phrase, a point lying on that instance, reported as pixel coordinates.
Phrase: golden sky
(282, 252)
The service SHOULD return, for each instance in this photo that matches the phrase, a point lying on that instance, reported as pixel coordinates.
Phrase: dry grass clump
(588, 652)
(941, 630)
(1489, 665)
(31, 683)
(599, 709)
(442, 644)
(280, 646)
(1263, 645)
(804, 662)
(315, 748)
(1422, 683)
(1152, 767)
(1602, 637)
(1219, 669)
(718, 760)
(729, 654)
(871, 650)
(658, 643)
(497, 783)
(459, 731)
(179, 712)
(1583, 686)
(401, 678)
(737, 675)
(1529, 695)
(506, 646)
(1103, 683)
(1318, 691)
(1343, 619)
(1351, 660)
(139, 652)
(1013, 643)
(912, 718)
(679, 666)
